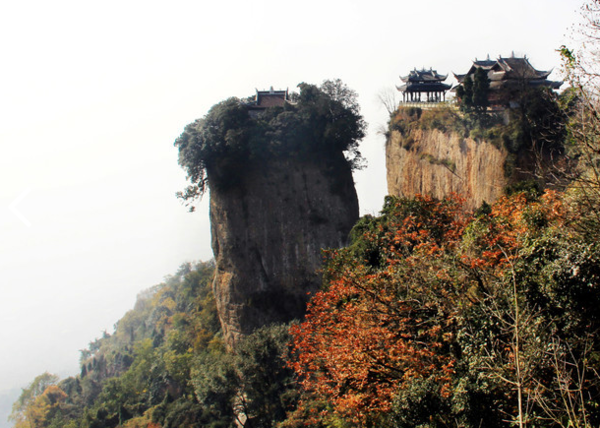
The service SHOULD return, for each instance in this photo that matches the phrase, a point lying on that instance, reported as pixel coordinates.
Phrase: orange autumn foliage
(388, 313)
(374, 330)
(512, 219)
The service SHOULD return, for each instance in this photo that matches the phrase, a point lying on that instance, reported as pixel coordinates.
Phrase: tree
(378, 326)
(581, 66)
(464, 93)
(433, 319)
(26, 407)
(473, 93)
(481, 87)
(142, 371)
(222, 145)
(387, 98)
(253, 385)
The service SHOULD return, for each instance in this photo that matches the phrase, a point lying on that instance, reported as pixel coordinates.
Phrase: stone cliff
(438, 163)
(267, 234)
(281, 190)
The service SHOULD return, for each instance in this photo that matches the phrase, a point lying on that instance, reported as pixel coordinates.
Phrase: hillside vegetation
(430, 318)
(166, 366)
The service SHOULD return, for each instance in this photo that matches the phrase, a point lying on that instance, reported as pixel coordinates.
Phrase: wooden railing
(428, 105)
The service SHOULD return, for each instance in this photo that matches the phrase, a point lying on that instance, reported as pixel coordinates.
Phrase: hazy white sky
(93, 94)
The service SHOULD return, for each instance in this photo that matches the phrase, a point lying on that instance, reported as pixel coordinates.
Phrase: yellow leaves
(39, 411)
(144, 421)
(169, 303)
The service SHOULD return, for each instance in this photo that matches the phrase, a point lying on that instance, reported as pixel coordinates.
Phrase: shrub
(324, 119)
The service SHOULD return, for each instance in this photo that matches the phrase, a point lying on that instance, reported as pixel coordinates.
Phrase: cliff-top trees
(325, 118)
(473, 93)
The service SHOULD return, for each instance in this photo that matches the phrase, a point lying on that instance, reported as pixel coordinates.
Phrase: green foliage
(252, 383)
(473, 94)
(443, 119)
(421, 406)
(510, 295)
(21, 410)
(128, 375)
(220, 145)
(531, 188)
(539, 122)
(481, 87)
(165, 366)
(406, 119)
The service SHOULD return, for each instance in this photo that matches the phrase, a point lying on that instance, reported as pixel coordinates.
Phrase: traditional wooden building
(423, 86)
(270, 98)
(508, 75)
(265, 99)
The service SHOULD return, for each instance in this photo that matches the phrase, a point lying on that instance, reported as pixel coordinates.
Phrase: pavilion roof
(423, 76)
(484, 63)
(512, 68)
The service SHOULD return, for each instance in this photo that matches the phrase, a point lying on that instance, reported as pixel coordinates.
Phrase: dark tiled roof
(510, 69)
(270, 98)
(519, 68)
(485, 63)
(423, 76)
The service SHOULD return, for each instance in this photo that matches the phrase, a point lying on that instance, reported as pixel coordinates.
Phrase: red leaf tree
(385, 317)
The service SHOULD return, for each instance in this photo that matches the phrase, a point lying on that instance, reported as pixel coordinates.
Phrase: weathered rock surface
(436, 163)
(267, 234)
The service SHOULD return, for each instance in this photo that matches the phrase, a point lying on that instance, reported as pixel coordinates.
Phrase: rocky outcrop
(439, 163)
(267, 234)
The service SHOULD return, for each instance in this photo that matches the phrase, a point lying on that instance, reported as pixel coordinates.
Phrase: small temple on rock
(423, 86)
(265, 99)
(270, 98)
(507, 75)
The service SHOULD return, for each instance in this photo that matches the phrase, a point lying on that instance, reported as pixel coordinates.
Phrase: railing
(428, 105)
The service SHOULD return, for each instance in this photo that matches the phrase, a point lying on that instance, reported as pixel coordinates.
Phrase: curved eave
(424, 87)
(552, 84)
(459, 77)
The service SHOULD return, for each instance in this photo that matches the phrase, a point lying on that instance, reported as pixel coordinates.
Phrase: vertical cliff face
(267, 234)
(280, 191)
(438, 163)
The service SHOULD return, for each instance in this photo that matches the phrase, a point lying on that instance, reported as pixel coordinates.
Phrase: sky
(93, 94)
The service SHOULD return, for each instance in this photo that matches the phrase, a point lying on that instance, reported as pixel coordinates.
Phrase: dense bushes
(220, 145)
(406, 119)
(434, 319)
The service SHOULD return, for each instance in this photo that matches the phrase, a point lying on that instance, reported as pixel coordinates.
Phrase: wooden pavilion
(423, 86)
(509, 76)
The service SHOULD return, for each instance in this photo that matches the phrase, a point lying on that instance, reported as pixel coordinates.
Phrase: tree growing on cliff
(220, 146)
